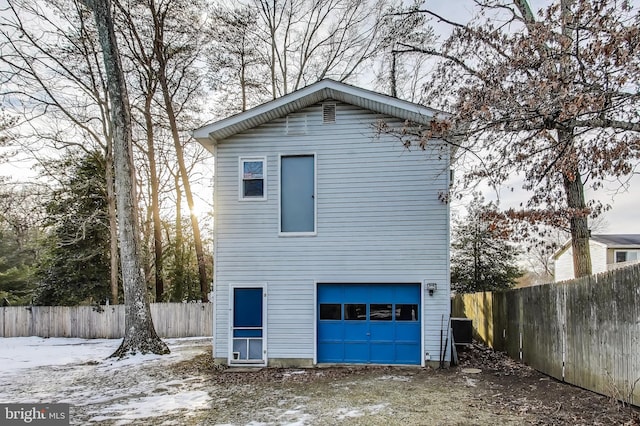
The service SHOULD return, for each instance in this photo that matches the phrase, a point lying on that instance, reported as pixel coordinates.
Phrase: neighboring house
(328, 233)
(608, 252)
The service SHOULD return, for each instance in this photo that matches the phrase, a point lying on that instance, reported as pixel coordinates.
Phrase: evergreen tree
(481, 260)
(75, 266)
(20, 218)
(16, 269)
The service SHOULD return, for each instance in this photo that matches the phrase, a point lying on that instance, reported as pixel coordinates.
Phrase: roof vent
(328, 113)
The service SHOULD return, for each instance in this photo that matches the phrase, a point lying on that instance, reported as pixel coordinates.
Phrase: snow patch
(345, 413)
(78, 372)
(293, 373)
(154, 406)
(19, 353)
(396, 378)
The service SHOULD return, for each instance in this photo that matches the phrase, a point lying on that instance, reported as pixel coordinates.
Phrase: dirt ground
(501, 392)
(186, 388)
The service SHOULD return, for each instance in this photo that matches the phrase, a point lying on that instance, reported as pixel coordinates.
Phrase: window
(252, 179)
(406, 312)
(330, 311)
(380, 312)
(355, 311)
(626, 256)
(297, 195)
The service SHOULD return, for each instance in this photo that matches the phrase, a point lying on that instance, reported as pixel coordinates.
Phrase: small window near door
(252, 179)
(330, 311)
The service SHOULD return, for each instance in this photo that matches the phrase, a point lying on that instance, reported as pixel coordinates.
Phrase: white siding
(563, 265)
(379, 219)
(598, 257)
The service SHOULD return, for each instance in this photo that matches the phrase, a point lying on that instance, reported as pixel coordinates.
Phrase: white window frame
(315, 196)
(241, 161)
(636, 252)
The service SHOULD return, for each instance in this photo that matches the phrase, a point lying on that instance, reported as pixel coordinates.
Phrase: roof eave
(310, 95)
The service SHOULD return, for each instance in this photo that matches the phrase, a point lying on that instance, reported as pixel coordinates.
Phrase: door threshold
(243, 369)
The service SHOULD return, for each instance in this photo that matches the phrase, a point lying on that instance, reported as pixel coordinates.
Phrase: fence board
(107, 322)
(585, 332)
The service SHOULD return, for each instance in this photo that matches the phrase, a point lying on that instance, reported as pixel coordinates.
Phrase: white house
(331, 238)
(608, 252)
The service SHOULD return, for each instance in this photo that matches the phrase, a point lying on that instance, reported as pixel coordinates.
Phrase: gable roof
(210, 134)
(610, 241)
(618, 240)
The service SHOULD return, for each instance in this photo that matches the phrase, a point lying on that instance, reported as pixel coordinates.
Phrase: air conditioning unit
(462, 329)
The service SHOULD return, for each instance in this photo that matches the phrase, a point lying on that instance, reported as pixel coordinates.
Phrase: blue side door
(369, 323)
(247, 327)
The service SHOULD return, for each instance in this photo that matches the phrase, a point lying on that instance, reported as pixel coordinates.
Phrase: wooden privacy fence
(105, 322)
(585, 331)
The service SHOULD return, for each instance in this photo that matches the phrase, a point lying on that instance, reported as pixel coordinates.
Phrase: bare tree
(53, 78)
(236, 60)
(167, 40)
(554, 98)
(306, 41)
(140, 334)
(143, 75)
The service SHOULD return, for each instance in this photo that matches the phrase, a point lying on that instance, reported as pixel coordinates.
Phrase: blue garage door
(369, 323)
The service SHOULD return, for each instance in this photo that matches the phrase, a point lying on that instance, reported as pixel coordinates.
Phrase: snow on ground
(18, 353)
(98, 389)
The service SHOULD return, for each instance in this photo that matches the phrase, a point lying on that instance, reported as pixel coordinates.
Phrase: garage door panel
(381, 353)
(355, 331)
(331, 352)
(407, 293)
(382, 331)
(407, 353)
(407, 332)
(355, 351)
(380, 293)
(369, 323)
(331, 331)
(330, 294)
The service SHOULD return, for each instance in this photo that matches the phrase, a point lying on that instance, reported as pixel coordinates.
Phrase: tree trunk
(179, 260)
(393, 75)
(140, 335)
(572, 180)
(155, 203)
(578, 221)
(113, 224)
(168, 101)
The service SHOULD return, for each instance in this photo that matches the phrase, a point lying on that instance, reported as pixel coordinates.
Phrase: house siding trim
(214, 293)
